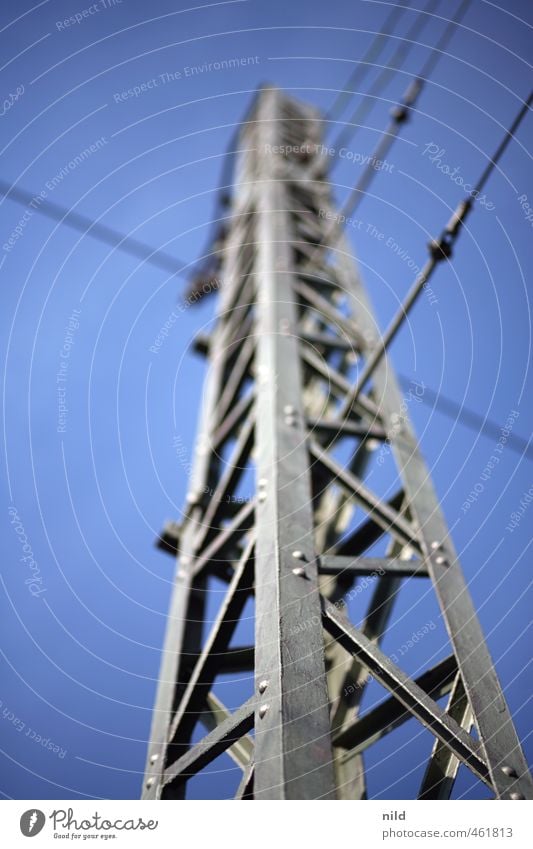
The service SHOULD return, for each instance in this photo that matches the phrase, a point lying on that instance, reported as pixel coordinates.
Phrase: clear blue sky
(81, 644)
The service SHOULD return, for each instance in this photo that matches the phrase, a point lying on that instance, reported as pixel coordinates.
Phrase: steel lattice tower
(280, 408)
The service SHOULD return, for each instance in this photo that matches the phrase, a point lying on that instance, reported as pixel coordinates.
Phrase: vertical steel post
(293, 758)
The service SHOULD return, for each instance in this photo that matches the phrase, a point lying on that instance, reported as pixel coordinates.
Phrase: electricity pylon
(300, 406)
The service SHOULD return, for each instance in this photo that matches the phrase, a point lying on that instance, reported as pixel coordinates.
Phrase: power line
(396, 61)
(98, 231)
(442, 43)
(503, 144)
(400, 115)
(364, 65)
(469, 418)
(439, 250)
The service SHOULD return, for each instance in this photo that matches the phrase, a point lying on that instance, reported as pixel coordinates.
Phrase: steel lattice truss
(280, 408)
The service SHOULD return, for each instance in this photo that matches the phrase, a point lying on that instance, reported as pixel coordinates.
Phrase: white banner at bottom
(369, 824)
